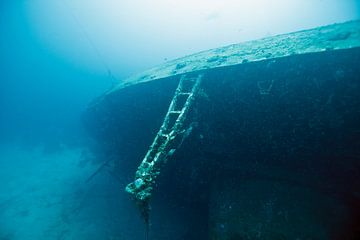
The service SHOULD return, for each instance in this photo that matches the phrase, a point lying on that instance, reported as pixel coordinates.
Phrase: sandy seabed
(45, 196)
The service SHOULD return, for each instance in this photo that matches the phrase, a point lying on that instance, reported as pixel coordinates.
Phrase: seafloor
(45, 196)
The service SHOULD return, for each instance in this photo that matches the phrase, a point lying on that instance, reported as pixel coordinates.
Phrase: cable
(87, 37)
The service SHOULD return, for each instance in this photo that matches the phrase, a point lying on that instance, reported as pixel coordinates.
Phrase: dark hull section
(273, 151)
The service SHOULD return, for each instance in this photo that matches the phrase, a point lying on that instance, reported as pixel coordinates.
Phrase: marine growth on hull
(259, 140)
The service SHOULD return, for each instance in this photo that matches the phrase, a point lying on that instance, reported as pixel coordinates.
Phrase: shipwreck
(257, 140)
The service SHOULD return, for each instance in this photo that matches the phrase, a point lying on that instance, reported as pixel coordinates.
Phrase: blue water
(44, 156)
(51, 143)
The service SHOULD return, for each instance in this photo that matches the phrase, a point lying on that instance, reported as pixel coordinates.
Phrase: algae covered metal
(327, 38)
(268, 145)
(163, 145)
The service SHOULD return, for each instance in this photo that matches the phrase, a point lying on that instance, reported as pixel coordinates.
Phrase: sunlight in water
(121, 33)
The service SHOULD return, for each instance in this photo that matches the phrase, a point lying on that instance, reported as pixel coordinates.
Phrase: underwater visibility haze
(166, 119)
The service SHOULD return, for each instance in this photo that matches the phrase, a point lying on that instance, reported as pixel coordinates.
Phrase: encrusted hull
(262, 138)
